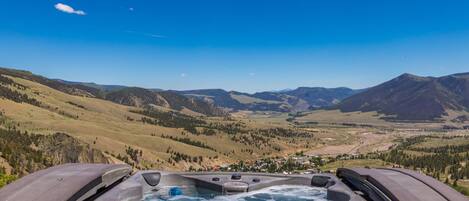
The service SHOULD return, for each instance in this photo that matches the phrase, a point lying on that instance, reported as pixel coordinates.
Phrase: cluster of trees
(66, 114)
(283, 132)
(125, 159)
(6, 81)
(170, 119)
(271, 165)
(176, 157)
(188, 141)
(263, 137)
(134, 154)
(288, 165)
(76, 104)
(458, 172)
(9, 82)
(249, 151)
(228, 128)
(252, 139)
(450, 149)
(10, 94)
(208, 132)
(430, 163)
(16, 149)
(13, 95)
(357, 125)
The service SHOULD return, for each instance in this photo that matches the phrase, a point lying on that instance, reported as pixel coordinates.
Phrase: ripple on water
(274, 193)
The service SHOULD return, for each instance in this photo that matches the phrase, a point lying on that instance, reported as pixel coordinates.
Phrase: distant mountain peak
(281, 90)
(408, 76)
(300, 99)
(411, 97)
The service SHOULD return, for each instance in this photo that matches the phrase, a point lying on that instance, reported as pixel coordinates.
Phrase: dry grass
(105, 126)
(337, 141)
(369, 118)
(335, 116)
(438, 142)
(247, 99)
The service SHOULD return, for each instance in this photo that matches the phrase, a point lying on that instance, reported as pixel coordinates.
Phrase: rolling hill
(46, 119)
(140, 97)
(414, 98)
(71, 88)
(102, 87)
(131, 96)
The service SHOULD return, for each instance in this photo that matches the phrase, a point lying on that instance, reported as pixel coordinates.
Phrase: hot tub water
(274, 193)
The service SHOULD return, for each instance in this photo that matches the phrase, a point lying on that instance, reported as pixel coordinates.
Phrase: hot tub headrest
(322, 181)
(152, 178)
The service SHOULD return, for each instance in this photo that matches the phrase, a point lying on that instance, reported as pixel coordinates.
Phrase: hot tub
(160, 185)
(104, 182)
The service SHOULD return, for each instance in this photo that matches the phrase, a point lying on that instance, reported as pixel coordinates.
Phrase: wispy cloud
(131, 9)
(252, 74)
(146, 34)
(183, 75)
(68, 9)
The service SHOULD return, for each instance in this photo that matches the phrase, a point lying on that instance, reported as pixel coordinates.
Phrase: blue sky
(245, 45)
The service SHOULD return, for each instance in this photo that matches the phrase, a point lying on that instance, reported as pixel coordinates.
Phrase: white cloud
(183, 75)
(68, 9)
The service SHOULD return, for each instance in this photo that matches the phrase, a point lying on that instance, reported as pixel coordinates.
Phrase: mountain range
(406, 97)
(287, 100)
(300, 99)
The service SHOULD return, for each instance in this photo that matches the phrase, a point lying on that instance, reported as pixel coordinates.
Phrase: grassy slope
(100, 119)
(247, 99)
(373, 118)
(104, 125)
